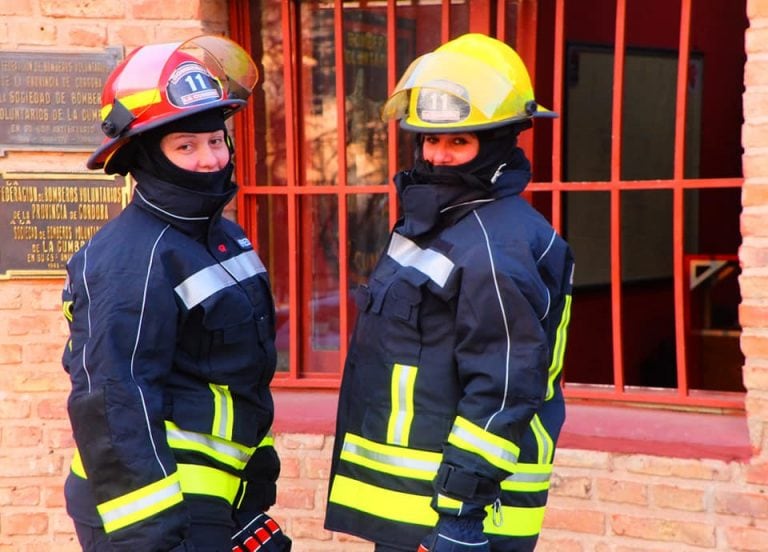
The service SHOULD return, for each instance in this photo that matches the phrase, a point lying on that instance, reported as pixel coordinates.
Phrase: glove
(262, 533)
(456, 534)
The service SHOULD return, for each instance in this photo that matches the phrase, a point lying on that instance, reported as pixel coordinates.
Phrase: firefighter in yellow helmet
(171, 347)
(450, 405)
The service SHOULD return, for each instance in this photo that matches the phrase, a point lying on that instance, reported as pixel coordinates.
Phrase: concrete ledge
(607, 428)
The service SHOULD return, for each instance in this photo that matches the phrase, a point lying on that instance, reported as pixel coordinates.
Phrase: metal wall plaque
(45, 218)
(51, 100)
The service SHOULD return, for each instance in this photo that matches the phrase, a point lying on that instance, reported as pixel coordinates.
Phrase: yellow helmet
(471, 83)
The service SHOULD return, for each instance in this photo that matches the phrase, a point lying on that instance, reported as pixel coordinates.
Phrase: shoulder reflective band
(140, 504)
(212, 279)
(561, 337)
(496, 450)
(401, 416)
(427, 261)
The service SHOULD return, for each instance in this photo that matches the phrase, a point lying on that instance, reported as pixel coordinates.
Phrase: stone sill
(606, 428)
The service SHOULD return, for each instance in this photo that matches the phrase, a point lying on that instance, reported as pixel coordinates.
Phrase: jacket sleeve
(122, 321)
(502, 353)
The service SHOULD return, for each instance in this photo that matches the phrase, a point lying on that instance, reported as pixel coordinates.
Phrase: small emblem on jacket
(244, 243)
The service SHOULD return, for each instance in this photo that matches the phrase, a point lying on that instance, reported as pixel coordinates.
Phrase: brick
(10, 354)
(754, 345)
(10, 297)
(92, 36)
(746, 539)
(582, 459)
(25, 495)
(751, 505)
(14, 7)
(709, 470)
(678, 498)
(757, 472)
(546, 544)
(668, 530)
(22, 436)
(67, 8)
(311, 527)
(750, 315)
(30, 465)
(25, 524)
(754, 135)
(754, 287)
(170, 9)
(613, 490)
(130, 35)
(290, 466)
(293, 496)
(53, 409)
(577, 487)
(302, 441)
(579, 521)
(29, 325)
(755, 377)
(33, 33)
(15, 408)
(752, 196)
(317, 468)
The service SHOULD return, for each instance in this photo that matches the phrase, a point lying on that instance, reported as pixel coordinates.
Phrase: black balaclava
(149, 158)
(428, 192)
(498, 148)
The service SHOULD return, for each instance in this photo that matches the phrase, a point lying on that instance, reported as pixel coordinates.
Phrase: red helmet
(160, 83)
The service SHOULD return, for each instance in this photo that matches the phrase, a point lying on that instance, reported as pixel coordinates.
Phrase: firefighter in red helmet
(450, 405)
(171, 347)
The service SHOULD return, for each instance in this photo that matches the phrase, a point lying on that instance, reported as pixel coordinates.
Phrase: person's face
(450, 149)
(196, 151)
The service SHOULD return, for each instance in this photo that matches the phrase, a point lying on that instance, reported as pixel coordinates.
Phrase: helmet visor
(202, 70)
(451, 84)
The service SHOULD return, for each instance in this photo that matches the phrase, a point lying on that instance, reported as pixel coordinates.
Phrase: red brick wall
(601, 501)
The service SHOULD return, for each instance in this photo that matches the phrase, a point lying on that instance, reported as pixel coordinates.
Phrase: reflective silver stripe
(204, 283)
(137, 505)
(481, 445)
(206, 441)
(427, 261)
(528, 477)
(222, 411)
(399, 427)
(390, 459)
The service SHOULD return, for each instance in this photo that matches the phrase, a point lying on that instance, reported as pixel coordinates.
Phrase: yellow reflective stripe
(389, 459)
(66, 307)
(401, 417)
(415, 509)
(383, 503)
(204, 480)
(496, 450)
(561, 337)
(77, 465)
(267, 441)
(514, 521)
(145, 98)
(140, 504)
(227, 452)
(223, 419)
(445, 503)
(545, 444)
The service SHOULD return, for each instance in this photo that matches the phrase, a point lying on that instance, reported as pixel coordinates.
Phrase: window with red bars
(641, 173)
